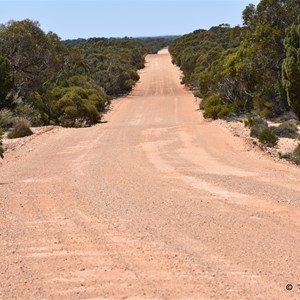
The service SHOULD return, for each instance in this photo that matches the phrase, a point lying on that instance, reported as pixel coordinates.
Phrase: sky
(119, 18)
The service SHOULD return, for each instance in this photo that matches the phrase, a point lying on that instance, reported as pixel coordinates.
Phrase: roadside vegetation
(252, 69)
(46, 81)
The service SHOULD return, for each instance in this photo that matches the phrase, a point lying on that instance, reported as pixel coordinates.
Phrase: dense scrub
(253, 68)
(196, 51)
(113, 63)
(37, 70)
(46, 81)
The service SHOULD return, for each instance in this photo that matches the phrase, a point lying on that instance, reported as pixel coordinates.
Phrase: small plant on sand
(267, 137)
(21, 128)
(295, 155)
(286, 129)
(256, 125)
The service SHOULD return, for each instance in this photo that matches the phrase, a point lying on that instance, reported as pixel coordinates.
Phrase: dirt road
(154, 203)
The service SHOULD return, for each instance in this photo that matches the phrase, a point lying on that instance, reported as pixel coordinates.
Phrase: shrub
(267, 137)
(295, 155)
(256, 125)
(212, 100)
(21, 128)
(6, 118)
(215, 108)
(79, 107)
(217, 112)
(286, 129)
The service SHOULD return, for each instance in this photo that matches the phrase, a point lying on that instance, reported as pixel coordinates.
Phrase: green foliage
(30, 54)
(154, 44)
(267, 137)
(6, 83)
(28, 112)
(291, 68)
(39, 74)
(243, 65)
(286, 129)
(295, 155)
(78, 106)
(214, 108)
(113, 63)
(196, 51)
(256, 125)
(21, 128)
(217, 112)
(6, 118)
(266, 25)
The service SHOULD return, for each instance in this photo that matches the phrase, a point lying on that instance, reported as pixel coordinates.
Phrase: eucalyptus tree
(291, 67)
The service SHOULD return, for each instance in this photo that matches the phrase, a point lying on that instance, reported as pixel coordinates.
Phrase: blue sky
(119, 18)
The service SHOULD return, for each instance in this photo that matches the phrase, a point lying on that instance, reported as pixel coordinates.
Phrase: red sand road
(155, 203)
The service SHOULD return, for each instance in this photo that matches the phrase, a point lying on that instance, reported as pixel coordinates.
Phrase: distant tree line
(253, 68)
(154, 44)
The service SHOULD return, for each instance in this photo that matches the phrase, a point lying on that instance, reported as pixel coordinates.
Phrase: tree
(6, 83)
(291, 67)
(264, 36)
(51, 83)
(27, 48)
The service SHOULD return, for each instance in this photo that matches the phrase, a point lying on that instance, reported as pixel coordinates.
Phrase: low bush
(215, 108)
(79, 107)
(295, 155)
(256, 125)
(21, 128)
(267, 137)
(286, 129)
(210, 101)
(217, 112)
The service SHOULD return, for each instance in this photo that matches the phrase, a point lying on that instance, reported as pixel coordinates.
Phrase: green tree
(291, 67)
(6, 83)
(36, 58)
(26, 47)
(263, 39)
